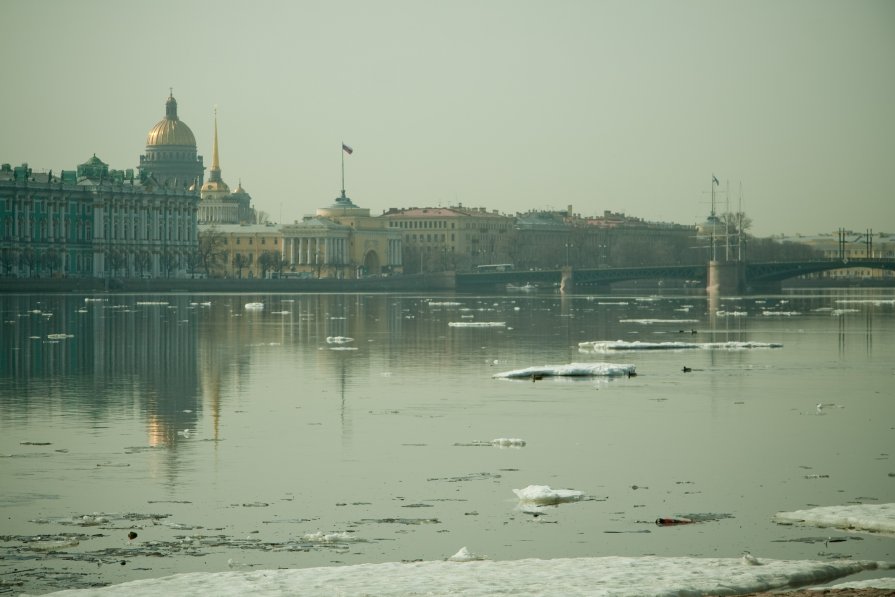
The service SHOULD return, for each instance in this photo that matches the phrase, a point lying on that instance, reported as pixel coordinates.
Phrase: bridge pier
(568, 280)
(726, 277)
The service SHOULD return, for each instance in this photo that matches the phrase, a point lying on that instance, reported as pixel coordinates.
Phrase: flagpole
(343, 167)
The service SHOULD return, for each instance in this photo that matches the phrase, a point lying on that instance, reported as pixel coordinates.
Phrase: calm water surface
(232, 438)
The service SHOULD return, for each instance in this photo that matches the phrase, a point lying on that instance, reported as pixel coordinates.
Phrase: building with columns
(93, 222)
(342, 241)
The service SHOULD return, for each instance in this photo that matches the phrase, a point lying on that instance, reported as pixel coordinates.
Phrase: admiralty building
(95, 221)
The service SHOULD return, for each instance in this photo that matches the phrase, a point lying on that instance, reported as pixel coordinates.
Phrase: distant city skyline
(629, 107)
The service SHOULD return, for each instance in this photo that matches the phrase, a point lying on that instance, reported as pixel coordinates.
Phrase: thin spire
(215, 164)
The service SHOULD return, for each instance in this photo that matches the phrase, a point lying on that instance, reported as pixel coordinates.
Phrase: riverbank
(407, 283)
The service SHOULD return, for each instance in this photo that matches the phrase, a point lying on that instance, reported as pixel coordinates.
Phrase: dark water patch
(812, 540)
(290, 521)
(404, 521)
(169, 502)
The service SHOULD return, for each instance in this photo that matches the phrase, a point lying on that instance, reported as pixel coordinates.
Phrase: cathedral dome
(171, 130)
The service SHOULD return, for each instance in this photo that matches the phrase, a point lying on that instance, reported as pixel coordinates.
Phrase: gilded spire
(214, 182)
(215, 165)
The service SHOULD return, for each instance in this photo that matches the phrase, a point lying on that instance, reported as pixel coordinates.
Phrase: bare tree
(240, 262)
(267, 261)
(211, 250)
(169, 262)
(52, 260)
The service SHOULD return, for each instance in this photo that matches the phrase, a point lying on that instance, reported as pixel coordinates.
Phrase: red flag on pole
(347, 149)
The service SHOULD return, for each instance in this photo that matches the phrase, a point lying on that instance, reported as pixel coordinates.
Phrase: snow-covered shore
(616, 576)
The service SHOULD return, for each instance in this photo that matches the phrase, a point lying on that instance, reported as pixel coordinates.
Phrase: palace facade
(98, 222)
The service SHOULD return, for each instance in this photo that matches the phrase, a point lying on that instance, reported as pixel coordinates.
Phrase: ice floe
(544, 495)
(477, 324)
(619, 345)
(464, 555)
(254, 306)
(508, 442)
(570, 370)
(652, 321)
(874, 518)
(338, 340)
(615, 575)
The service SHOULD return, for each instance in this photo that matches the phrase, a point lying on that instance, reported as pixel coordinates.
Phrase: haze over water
(229, 438)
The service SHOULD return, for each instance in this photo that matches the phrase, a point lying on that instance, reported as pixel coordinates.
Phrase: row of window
(251, 240)
(410, 224)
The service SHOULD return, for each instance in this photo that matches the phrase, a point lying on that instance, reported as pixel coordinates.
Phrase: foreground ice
(875, 518)
(616, 576)
(613, 345)
(570, 370)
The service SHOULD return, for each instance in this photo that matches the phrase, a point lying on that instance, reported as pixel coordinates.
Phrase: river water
(233, 438)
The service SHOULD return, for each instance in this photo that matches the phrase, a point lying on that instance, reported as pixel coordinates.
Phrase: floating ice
(444, 304)
(651, 321)
(477, 324)
(59, 336)
(616, 345)
(508, 442)
(617, 576)
(162, 303)
(731, 313)
(254, 306)
(780, 313)
(464, 555)
(543, 495)
(875, 518)
(321, 537)
(338, 340)
(570, 370)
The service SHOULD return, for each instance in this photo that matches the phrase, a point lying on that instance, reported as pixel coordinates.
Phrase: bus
(494, 267)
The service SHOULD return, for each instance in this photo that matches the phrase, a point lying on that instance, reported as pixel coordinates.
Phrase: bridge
(727, 277)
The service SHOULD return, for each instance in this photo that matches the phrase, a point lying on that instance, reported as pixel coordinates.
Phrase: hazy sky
(512, 105)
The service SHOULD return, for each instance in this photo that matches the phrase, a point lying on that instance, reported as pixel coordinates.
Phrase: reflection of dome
(171, 130)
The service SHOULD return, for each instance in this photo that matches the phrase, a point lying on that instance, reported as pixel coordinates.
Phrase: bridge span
(726, 277)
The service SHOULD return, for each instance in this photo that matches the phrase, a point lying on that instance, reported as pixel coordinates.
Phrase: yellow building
(241, 250)
(342, 241)
(451, 238)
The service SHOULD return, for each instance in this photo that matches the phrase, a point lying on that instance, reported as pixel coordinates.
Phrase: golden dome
(217, 186)
(171, 130)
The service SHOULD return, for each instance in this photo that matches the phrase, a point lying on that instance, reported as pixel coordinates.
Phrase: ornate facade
(93, 222)
(99, 222)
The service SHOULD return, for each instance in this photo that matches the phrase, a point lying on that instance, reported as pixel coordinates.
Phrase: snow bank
(570, 370)
(616, 576)
(875, 518)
